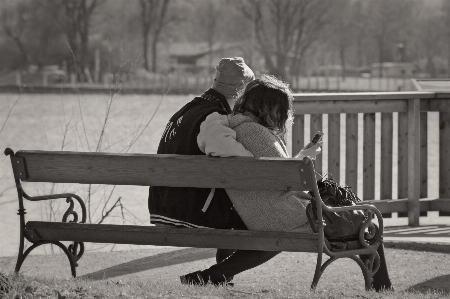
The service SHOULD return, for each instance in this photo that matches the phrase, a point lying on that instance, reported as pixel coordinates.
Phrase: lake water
(75, 122)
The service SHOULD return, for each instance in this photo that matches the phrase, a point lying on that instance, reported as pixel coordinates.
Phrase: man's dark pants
(232, 262)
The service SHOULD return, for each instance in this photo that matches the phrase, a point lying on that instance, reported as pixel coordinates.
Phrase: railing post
(316, 125)
(402, 137)
(369, 156)
(444, 150)
(387, 126)
(423, 155)
(351, 152)
(334, 148)
(413, 162)
(298, 134)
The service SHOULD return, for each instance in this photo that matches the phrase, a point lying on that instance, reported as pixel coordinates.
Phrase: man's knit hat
(232, 75)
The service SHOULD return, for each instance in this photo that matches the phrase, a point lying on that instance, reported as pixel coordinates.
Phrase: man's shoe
(383, 288)
(197, 279)
(229, 282)
(194, 278)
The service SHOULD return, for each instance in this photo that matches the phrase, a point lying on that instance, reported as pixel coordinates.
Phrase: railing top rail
(369, 96)
(443, 95)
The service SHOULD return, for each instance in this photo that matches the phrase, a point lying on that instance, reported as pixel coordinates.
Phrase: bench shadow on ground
(152, 262)
(438, 284)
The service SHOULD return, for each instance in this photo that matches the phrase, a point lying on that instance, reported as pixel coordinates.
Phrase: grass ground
(155, 274)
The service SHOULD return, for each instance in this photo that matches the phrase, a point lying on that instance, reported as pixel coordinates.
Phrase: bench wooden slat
(168, 170)
(180, 237)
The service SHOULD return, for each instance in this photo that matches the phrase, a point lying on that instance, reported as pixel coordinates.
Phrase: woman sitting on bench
(258, 123)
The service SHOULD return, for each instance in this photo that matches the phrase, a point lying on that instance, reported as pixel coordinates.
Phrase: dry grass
(154, 273)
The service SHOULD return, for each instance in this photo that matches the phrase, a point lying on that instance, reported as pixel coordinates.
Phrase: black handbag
(341, 228)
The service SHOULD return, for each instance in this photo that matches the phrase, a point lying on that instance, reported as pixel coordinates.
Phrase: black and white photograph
(225, 149)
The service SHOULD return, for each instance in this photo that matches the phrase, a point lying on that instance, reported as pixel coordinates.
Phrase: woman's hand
(310, 150)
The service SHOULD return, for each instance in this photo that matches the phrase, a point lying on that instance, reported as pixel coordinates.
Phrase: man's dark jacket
(183, 206)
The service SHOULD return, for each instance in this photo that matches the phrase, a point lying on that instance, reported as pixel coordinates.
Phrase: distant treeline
(285, 38)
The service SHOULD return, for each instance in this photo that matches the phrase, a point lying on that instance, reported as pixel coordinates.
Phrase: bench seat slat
(179, 237)
(168, 170)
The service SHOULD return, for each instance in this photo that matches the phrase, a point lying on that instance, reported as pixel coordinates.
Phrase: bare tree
(446, 17)
(46, 37)
(431, 41)
(360, 29)
(28, 25)
(15, 17)
(342, 32)
(386, 19)
(210, 25)
(285, 30)
(75, 18)
(154, 18)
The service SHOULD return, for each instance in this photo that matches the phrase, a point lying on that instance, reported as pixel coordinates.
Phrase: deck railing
(409, 109)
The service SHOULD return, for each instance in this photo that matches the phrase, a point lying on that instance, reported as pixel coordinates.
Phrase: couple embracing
(238, 116)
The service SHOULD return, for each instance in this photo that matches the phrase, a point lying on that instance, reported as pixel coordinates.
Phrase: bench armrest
(368, 231)
(69, 199)
(370, 208)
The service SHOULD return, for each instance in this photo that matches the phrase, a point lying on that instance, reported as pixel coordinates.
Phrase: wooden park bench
(178, 171)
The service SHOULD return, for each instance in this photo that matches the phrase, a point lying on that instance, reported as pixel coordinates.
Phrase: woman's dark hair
(269, 100)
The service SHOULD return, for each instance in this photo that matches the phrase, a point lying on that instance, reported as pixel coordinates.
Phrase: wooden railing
(411, 120)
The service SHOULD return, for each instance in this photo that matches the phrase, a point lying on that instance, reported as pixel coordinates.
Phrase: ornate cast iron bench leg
(72, 251)
(320, 245)
(369, 261)
(368, 267)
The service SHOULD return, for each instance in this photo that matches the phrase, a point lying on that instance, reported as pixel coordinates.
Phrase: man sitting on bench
(185, 207)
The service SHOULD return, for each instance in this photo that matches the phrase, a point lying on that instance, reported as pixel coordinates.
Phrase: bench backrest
(164, 170)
